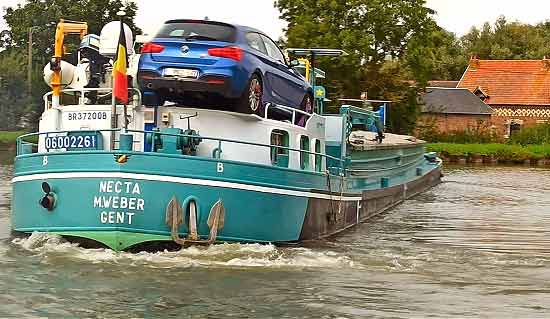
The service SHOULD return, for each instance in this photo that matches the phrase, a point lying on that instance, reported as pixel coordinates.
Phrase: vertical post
(29, 66)
(313, 70)
(343, 147)
(385, 106)
(118, 68)
(121, 14)
(114, 118)
(125, 111)
(55, 63)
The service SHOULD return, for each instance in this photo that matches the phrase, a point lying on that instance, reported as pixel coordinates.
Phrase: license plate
(181, 73)
(72, 142)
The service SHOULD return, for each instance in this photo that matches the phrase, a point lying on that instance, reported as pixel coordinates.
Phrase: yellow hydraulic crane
(64, 27)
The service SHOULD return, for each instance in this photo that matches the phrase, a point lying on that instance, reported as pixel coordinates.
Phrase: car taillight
(234, 53)
(150, 47)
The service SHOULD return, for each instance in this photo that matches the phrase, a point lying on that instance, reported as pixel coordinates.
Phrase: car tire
(251, 101)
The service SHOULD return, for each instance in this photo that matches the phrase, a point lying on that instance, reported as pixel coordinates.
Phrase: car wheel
(251, 100)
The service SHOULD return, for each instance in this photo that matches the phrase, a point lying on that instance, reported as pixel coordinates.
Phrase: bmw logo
(184, 49)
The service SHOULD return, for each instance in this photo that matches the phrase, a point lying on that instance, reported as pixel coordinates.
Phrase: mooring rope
(331, 197)
(330, 192)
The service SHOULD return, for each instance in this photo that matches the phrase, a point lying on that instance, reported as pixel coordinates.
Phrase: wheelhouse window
(279, 156)
(318, 158)
(304, 157)
(197, 30)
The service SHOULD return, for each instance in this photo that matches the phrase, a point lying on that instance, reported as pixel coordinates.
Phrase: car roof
(239, 27)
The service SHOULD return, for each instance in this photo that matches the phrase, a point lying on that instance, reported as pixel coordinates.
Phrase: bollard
(419, 171)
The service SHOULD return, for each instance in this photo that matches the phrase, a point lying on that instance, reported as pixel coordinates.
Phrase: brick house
(449, 110)
(518, 91)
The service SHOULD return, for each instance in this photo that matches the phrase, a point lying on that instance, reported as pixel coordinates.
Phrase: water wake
(222, 255)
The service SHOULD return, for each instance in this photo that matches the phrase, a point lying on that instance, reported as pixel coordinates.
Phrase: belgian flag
(120, 76)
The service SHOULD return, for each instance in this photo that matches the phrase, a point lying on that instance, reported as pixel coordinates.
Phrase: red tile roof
(518, 82)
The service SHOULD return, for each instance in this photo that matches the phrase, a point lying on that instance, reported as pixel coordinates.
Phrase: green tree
(375, 34)
(14, 100)
(508, 40)
(44, 15)
(437, 55)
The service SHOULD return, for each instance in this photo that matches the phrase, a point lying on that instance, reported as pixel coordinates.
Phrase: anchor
(174, 219)
(192, 226)
(216, 220)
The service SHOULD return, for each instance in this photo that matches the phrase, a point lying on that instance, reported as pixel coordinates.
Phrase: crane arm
(64, 27)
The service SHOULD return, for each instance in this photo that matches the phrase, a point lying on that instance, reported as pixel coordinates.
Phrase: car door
(256, 43)
(287, 86)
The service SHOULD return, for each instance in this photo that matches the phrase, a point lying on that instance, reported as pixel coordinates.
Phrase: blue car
(214, 64)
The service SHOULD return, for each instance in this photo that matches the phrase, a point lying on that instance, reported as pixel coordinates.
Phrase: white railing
(82, 97)
(288, 109)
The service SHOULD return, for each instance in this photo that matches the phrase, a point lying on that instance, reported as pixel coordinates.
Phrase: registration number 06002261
(71, 142)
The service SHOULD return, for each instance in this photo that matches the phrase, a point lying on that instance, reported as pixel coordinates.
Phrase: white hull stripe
(182, 180)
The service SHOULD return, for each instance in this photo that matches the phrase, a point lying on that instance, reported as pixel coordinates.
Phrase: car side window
(273, 50)
(255, 42)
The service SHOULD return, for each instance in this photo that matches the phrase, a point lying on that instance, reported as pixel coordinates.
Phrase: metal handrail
(287, 108)
(366, 100)
(84, 90)
(387, 158)
(218, 139)
(21, 138)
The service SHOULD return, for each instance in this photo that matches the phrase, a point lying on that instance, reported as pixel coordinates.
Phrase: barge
(126, 176)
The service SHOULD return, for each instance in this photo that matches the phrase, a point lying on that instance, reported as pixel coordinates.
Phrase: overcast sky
(454, 15)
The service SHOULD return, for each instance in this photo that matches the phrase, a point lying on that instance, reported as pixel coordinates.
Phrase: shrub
(502, 152)
(10, 137)
(480, 133)
(539, 134)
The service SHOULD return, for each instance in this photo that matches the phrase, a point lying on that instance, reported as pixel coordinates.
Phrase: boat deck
(364, 141)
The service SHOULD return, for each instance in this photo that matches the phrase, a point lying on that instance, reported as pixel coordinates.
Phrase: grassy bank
(491, 152)
(7, 139)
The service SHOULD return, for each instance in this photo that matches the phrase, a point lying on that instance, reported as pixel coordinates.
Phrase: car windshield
(207, 31)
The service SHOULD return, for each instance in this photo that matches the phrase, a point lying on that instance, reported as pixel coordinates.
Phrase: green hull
(262, 203)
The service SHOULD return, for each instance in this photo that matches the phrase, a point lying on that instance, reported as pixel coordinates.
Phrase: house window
(481, 94)
(304, 157)
(318, 158)
(279, 156)
(514, 128)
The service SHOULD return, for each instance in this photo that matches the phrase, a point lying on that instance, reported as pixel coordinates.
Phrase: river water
(478, 245)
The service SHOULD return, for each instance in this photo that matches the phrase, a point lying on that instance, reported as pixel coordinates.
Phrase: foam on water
(221, 255)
